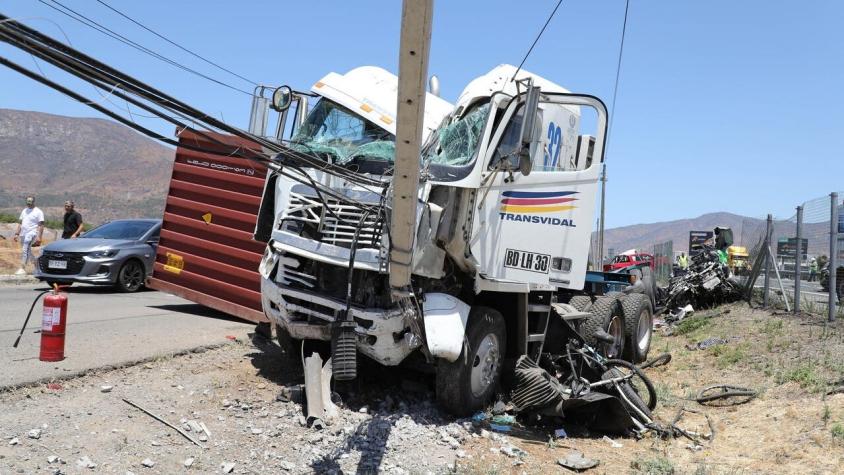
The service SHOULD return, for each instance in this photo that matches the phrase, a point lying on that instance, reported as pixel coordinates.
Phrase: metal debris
(576, 461)
(159, 419)
(725, 395)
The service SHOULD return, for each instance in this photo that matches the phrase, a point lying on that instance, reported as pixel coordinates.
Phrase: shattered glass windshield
(344, 136)
(455, 143)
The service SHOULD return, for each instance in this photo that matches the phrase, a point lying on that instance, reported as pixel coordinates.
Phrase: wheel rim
(643, 332)
(132, 277)
(615, 328)
(485, 364)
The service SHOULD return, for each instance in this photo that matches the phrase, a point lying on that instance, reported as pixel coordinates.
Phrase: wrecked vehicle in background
(506, 194)
(708, 281)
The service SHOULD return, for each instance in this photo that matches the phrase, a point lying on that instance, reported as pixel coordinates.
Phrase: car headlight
(101, 254)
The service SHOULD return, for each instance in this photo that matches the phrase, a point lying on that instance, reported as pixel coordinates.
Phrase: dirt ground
(388, 423)
(10, 251)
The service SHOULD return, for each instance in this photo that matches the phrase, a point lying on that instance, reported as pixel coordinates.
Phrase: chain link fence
(663, 261)
(798, 271)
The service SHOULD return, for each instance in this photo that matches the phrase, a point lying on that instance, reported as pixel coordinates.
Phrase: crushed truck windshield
(455, 143)
(337, 134)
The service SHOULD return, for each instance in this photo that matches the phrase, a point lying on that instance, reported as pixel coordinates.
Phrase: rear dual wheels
(638, 327)
(469, 383)
(606, 315)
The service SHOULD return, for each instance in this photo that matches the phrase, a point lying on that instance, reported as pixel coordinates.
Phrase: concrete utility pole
(416, 19)
(601, 225)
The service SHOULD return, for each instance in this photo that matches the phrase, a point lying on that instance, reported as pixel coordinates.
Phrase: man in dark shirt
(72, 221)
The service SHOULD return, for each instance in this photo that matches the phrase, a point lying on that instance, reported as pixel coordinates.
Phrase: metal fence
(663, 261)
(799, 256)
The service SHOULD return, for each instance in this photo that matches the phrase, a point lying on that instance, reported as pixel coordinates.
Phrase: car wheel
(131, 276)
(467, 385)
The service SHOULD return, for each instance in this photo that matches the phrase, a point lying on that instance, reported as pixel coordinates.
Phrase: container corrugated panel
(206, 253)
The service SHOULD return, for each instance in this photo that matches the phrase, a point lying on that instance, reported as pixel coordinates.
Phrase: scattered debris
(318, 391)
(86, 462)
(227, 467)
(34, 434)
(106, 388)
(707, 343)
(14, 441)
(148, 463)
(612, 443)
(52, 459)
(188, 462)
(54, 386)
(295, 393)
(560, 434)
(660, 360)
(159, 419)
(725, 394)
(576, 461)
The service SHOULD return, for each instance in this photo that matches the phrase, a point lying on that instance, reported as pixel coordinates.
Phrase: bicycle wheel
(638, 382)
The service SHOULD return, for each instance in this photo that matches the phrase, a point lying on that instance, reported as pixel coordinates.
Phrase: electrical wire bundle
(278, 157)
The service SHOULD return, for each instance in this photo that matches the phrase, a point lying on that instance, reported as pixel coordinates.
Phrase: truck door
(536, 228)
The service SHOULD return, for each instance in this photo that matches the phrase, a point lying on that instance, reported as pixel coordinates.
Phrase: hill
(746, 231)
(109, 170)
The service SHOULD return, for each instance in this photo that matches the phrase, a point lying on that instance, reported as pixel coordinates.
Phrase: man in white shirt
(30, 229)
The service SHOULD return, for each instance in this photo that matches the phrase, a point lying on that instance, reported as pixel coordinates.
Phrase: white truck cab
(506, 198)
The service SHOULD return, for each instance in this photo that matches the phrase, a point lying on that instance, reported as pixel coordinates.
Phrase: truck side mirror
(282, 98)
(529, 134)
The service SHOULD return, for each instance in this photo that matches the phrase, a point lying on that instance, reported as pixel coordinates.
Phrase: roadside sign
(787, 247)
(696, 240)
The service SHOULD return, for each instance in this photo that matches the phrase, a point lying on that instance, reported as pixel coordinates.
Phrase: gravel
(217, 396)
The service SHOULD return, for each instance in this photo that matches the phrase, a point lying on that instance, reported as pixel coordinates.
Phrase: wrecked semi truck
(506, 197)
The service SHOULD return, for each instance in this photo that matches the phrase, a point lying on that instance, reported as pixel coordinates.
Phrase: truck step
(538, 308)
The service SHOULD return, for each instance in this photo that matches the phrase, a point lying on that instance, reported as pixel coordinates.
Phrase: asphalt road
(106, 328)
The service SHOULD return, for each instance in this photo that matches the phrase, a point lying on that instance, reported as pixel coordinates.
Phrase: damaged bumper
(383, 334)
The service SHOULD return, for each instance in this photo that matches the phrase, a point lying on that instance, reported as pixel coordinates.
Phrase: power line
(617, 73)
(174, 43)
(537, 39)
(117, 36)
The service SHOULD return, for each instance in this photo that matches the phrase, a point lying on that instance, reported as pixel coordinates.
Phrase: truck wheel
(607, 316)
(468, 384)
(638, 327)
(581, 302)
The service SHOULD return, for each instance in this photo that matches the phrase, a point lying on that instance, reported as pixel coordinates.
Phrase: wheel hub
(643, 332)
(485, 364)
(615, 328)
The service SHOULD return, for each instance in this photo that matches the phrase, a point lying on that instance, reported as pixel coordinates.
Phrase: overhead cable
(536, 40)
(174, 43)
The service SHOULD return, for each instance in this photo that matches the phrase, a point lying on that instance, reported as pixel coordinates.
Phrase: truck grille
(74, 260)
(330, 229)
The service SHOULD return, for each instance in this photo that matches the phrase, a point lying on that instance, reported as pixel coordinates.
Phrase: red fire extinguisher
(53, 321)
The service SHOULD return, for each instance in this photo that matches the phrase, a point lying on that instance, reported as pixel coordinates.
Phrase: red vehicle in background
(629, 259)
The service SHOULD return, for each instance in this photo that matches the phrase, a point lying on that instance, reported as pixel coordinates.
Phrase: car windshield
(133, 230)
(455, 143)
(346, 137)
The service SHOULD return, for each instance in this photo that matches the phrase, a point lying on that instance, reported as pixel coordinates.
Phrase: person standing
(30, 229)
(683, 261)
(72, 221)
(813, 269)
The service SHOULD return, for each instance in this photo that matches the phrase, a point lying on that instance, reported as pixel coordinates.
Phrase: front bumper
(383, 334)
(82, 269)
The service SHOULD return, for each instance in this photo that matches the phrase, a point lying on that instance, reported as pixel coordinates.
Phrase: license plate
(529, 261)
(57, 264)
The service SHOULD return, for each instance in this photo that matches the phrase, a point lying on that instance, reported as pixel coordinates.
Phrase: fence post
(798, 260)
(765, 247)
(833, 255)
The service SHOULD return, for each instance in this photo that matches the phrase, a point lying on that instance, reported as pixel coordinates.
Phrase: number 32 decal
(555, 143)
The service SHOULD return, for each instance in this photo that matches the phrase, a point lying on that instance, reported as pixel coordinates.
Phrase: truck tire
(468, 384)
(638, 327)
(607, 316)
(581, 302)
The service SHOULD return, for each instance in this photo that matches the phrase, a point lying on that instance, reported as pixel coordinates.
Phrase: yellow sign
(175, 263)
(207, 218)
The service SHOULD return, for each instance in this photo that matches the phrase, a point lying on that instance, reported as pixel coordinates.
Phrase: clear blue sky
(722, 106)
